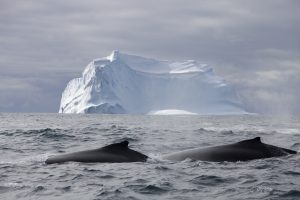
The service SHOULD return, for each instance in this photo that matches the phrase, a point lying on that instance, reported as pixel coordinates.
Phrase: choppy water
(26, 140)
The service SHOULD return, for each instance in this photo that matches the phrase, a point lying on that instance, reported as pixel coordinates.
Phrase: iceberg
(130, 84)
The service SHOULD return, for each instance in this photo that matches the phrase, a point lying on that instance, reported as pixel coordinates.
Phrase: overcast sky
(253, 44)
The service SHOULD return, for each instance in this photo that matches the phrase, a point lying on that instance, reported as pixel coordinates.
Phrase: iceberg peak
(113, 56)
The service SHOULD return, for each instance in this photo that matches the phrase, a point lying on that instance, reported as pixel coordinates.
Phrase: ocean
(27, 140)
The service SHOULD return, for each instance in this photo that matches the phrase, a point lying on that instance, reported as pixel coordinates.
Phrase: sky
(254, 44)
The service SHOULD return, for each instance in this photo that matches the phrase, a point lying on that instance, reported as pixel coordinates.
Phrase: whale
(245, 150)
(113, 153)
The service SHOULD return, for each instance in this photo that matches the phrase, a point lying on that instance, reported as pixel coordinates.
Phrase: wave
(40, 133)
(25, 160)
(211, 180)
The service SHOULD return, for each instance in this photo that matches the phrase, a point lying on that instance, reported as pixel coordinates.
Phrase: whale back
(241, 151)
(117, 152)
(272, 151)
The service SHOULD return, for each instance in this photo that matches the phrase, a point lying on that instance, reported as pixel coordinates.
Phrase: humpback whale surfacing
(113, 153)
(241, 151)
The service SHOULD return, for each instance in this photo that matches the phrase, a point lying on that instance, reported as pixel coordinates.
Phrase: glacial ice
(129, 84)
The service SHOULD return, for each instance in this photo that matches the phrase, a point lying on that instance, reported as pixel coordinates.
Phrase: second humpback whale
(119, 152)
(241, 151)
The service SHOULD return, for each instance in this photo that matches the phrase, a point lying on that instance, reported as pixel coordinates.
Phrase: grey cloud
(245, 41)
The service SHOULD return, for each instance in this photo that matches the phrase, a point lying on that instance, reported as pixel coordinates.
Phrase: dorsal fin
(120, 145)
(251, 141)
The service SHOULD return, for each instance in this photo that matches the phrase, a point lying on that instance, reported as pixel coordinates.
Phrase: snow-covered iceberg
(129, 84)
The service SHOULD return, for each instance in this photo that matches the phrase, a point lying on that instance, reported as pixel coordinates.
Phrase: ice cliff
(129, 84)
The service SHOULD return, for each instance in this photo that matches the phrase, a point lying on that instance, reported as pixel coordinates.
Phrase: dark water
(26, 140)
